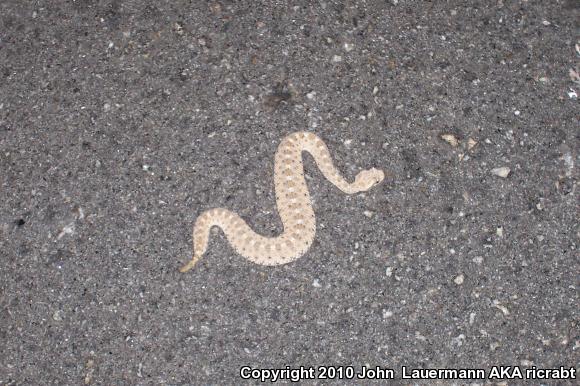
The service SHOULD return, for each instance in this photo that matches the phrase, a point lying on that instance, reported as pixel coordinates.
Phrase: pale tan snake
(292, 200)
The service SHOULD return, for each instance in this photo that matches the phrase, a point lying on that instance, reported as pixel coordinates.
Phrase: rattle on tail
(292, 200)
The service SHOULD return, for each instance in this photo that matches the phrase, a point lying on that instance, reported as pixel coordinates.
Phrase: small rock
(499, 231)
(420, 336)
(574, 75)
(458, 340)
(459, 279)
(502, 172)
(178, 28)
(348, 47)
(503, 309)
(471, 143)
(337, 58)
(478, 260)
(311, 95)
(375, 90)
(57, 316)
(450, 139)
(387, 314)
(368, 213)
(67, 230)
(216, 8)
(316, 283)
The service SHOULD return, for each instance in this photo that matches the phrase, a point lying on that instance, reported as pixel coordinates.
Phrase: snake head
(366, 179)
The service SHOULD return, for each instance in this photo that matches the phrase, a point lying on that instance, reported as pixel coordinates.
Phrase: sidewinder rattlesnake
(292, 200)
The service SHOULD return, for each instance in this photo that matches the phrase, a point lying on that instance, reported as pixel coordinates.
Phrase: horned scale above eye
(294, 207)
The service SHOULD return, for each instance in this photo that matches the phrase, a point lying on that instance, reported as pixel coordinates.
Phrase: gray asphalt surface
(120, 122)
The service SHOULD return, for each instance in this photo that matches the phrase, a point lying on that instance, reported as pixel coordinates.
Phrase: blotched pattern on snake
(292, 200)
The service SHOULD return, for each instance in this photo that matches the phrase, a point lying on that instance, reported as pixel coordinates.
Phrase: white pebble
(478, 260)
(316, 283)
(348, 47)
(450, 139)
(458, 340)
(502, 172)
(471, 143)
(337, 58)
(459, 279)
(503, 309)
(472, 318)
(57, 316)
